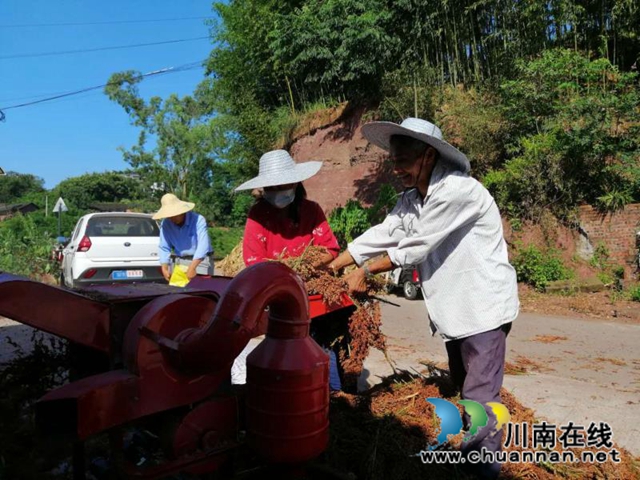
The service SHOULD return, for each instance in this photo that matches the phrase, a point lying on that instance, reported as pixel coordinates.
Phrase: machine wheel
(410, 290)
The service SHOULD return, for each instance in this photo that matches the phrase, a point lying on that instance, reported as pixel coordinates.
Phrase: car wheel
(410, 291)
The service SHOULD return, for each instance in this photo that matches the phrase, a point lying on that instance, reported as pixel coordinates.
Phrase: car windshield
(104, 226)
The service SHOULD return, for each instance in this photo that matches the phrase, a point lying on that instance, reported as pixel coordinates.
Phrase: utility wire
(119, 47)
(163, 71)
(114, 22)
(29, 97)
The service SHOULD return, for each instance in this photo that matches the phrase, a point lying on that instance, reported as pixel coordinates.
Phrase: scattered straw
(524, 365)
(233, 263)
(548, 338)
(393, 421)
(613, 361)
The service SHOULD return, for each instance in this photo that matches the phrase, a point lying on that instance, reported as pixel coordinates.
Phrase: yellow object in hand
(179, 276)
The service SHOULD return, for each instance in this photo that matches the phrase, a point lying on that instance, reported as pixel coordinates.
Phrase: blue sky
(81, 134)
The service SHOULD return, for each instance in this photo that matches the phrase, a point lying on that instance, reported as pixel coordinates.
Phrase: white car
(112, 247)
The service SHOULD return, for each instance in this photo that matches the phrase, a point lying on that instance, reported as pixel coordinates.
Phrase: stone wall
(617, 231)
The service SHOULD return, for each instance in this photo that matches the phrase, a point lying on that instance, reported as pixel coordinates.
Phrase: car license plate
(126, 274)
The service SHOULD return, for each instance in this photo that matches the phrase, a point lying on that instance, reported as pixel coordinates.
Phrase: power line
(29, 97)
(163, 71)
(114, 22)
(119, 47)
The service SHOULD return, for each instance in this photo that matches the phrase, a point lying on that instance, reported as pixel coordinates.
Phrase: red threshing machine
(145, 354)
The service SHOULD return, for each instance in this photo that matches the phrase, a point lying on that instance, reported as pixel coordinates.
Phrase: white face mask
(280, 198)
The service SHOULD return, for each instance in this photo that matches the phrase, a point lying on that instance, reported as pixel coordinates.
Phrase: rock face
(351, 167)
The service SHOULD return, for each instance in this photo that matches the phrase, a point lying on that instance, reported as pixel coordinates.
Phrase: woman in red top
(283, 223)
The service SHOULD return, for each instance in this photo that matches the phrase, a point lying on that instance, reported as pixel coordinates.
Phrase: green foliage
(349, 222)
(407, 93)
(242, 202)
(472, 120)
(223, 240)
(387, 199)
(80, 192)
(338, 46)
(538, 268)
(608, 273)
(600, 257)
(614, 200)
(186, 138)
(575, 127)
(24, 249)
(634, 293)
(16, 186)
(546, 127)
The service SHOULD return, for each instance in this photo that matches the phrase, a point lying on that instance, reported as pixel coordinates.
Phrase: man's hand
(343, 260)
(323, 261)
(165, 272)
(191, 272)
(356, 280)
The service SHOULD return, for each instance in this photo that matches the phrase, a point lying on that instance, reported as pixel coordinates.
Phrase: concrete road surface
(581, 370)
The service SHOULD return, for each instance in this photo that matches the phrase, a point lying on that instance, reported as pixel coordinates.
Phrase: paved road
(589, 372)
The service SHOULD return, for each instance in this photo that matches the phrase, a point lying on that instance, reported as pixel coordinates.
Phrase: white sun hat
(172, 206)
(278, 168)
(380, 133)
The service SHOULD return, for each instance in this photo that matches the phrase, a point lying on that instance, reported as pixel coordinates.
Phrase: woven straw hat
(278, 168)
(379, 133)
(172, 206)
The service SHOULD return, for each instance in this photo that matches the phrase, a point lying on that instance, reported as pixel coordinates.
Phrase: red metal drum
(287, 403)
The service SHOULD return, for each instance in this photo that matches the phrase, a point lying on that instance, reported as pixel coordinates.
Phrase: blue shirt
(189, 239)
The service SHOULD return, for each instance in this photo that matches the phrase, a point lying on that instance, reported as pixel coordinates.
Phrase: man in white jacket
(447, 225)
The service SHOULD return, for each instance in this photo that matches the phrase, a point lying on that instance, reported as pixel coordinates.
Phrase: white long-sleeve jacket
(454, 237)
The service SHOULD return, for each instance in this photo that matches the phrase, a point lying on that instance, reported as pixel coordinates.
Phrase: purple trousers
(476, 364)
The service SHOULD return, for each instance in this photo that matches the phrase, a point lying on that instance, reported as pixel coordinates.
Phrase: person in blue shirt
(183, 237)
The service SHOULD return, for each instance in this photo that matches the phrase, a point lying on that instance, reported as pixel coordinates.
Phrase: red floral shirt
(269, 235)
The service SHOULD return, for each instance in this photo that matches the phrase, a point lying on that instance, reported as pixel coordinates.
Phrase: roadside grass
(223, 239)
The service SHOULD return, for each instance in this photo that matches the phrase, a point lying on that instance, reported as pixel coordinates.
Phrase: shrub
(634, 293)
(600, 256)
(538, 268)
(472, 121)
(24, 249)
(224, 239)
(387, 199)
(573, 135)
(348, 222)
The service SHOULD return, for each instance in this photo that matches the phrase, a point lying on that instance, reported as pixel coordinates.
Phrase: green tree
(575, 130)
(14, 186)
(80, 192)
(185, 136)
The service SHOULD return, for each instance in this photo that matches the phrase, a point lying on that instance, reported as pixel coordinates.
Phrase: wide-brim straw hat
(278, 168)
(380, 133)
(172, 206)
